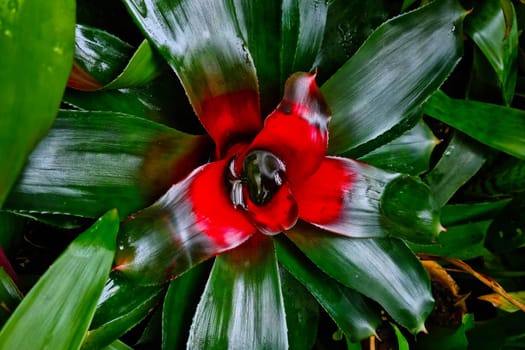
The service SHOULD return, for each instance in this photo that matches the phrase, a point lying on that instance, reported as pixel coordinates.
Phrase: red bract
(264, 178)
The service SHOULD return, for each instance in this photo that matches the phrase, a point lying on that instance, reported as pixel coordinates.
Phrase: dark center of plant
(262, 175)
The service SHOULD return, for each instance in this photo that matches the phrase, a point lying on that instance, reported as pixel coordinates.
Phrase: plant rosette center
(291, 145)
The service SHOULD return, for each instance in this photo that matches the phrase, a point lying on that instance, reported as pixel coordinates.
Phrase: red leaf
(231, 118)
(343, 196)
(297, 130)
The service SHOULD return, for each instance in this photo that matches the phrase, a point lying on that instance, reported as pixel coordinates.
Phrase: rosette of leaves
(269, 163)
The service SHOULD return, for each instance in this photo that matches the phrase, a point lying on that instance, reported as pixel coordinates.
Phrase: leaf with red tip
(202, 42)
(192, 222)
(297, 131)
(358, 200)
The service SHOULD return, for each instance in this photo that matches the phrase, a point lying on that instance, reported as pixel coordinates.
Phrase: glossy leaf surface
(32, 86)
(349, 309)
(99, 57)
(58, 309)
(496, 126)
(497, 37)
(122, 305)
(409, 153)
(302, 312)
(393, 73)
(144, 66)
(303, 27)
(203, 44)
(131, 161)
(260, 25)
(242, 305)
(155, 101)
(10, 296)
(383, 269)
(179, 306)
(194, 221)
(355, 199)
(459, 162)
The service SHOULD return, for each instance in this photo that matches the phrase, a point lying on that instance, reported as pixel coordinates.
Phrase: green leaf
(458, 214)
(122, 305)
(143, 67)
(263, 38)
(100, 55)
(242, 305)
(495, 32)
(383, 269)
(58, 309)
(496, 126)
(302, 312)
(409, 210)
(496, 332)
(348, 24)
(202, 43)
(131, 161)
(399, 66)
(447, 339)
(409, 153)
(37, 43)
(465, 241)
(179, 306)
(118, 345)
(350, 310)
(162, 101)
(10, 296)
(459, 162)
(303, 27)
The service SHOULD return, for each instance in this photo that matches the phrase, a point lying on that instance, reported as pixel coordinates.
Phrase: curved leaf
(399, 66)
(10, 296)
(99, 57)
(162, 101)
(121, 306)
(460, 161)
(202, 42)
(33, 76)
(409, 153)
(58, 309)
(496, 126)
(350, 310)
(497, 39)
(383, 269)
(144, 66)
(130, 160)
(242, 305)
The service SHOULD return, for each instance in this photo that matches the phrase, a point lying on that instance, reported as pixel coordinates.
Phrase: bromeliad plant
(278, 206)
